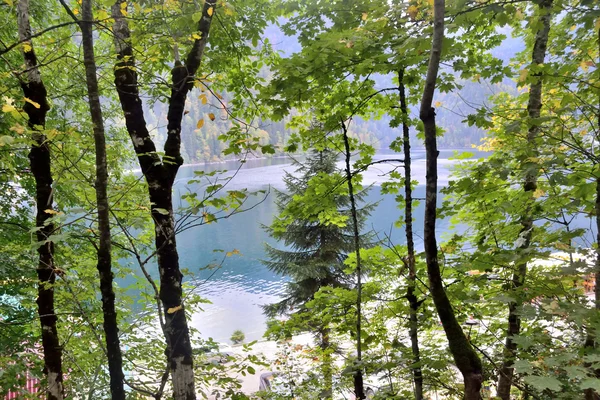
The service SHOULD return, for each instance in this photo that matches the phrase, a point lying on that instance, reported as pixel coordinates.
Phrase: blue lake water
(242, 284)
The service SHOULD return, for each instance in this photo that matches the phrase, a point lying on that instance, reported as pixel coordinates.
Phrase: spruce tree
(314, 252)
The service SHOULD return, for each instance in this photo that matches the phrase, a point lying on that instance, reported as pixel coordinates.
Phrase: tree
(316, 249)
(160, 176)
(410, 244)
(467, 360)
(36, 107)
(529, 186)
(113, 350)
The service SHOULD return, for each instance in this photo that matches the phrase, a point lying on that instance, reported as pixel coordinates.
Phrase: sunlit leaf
(173, 310)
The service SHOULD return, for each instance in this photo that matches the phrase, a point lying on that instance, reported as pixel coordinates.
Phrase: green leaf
(590, 383)
(544, 382)
(6, 140)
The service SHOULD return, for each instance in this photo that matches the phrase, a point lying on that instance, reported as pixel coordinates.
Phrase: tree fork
(160, 175)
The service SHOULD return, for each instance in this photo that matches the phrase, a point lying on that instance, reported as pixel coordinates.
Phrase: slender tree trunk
(160, 176)
(359, 390)
(39, 157)
(327, 363)
(534, 107)
(465, 357)
(111, 331)
(590, 342)
(410, 245)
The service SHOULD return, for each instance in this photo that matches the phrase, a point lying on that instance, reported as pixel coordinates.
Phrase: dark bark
(590, 341)
(413, 301)
(359, 390)
(160, 175)
(104, 266)
(465, 357)
(534, 107)
(39, 157)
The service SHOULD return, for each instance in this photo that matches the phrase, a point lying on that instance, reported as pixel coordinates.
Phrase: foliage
(284, 78)
(237, 336)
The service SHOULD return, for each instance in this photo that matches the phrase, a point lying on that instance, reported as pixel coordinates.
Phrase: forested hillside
(202, 143)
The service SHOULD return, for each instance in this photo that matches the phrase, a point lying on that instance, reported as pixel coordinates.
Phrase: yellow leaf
(173, 310)
(412, 12)
(228, 254)
(9, 2)
(27, 47)
(523, 75)
(438, 104)
(50, 211)
(18, 129)
(364, 16)
(208, 218)
(538, 193)
(200, 123)
(203, 98)
(76, 11)
(211, 116)
(235, 251)
(124, 9)
(8, 108)
(474, 272)
(586, 64)
(228, 11)
(102, 15)
(33, 103)
(519, 14)
(218, 96)
(210, 12)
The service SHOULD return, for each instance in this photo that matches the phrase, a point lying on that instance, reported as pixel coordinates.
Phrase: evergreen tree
(315, 249)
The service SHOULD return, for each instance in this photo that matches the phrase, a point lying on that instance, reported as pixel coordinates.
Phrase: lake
(242, 284)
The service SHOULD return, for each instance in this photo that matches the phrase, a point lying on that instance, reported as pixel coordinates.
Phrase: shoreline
(379, 152)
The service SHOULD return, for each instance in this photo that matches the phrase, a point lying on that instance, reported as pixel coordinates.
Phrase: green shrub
(237, 336)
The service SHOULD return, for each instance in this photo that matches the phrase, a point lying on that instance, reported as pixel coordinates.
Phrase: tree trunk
(160, 176)
(327, 363)
(529, 186)
(39, 157)
(359, 390)
(111, 331)
(410, 245)
(590, 342)
(465, 357)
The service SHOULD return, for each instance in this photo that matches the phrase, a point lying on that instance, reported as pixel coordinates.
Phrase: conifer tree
(315, 250)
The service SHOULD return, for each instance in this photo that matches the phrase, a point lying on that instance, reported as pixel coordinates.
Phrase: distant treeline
(204, 123)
